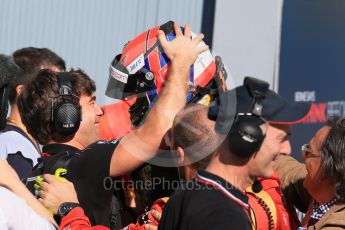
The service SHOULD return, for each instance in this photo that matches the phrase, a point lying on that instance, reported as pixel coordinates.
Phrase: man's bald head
(194, 133)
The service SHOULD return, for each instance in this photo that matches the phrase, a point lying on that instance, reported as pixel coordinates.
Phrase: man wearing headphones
(216, 199)
(192, 147)
(60, 111)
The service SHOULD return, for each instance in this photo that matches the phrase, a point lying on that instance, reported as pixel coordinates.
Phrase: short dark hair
(332, 152)
(8, 70)
(195, 133)
(35, 102)
(31, 60)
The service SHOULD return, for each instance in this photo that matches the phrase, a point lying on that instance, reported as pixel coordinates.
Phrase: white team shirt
(15, 214)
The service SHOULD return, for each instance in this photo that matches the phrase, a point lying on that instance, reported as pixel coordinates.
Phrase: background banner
(312, 62)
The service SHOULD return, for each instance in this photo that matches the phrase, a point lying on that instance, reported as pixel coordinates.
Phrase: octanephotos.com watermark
(154, 183)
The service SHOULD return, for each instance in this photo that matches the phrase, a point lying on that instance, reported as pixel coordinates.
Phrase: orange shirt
(269, 207)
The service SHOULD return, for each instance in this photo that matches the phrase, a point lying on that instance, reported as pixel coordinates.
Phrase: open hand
(183, 50)
(54, 192)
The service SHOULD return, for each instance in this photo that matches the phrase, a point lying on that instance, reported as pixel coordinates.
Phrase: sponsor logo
(68, 125)
(317, 113)
(103, 142)
(136, 65)
(118, 75)
(305, 96)
(320, 111)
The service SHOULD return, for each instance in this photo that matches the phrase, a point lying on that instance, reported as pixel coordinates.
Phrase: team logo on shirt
(102, 142)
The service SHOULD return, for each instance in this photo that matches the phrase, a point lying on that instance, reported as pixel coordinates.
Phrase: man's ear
(19, 89)
(180, 153)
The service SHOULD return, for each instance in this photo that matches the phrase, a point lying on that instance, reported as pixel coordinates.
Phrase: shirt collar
(319, 210)
(53, 149)
(224, 184)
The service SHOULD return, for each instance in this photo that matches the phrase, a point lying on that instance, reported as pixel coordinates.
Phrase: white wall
(88, 33)
(247, 37)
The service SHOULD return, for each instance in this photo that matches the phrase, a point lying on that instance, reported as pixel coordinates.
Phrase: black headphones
(65, 116)
(246, 136)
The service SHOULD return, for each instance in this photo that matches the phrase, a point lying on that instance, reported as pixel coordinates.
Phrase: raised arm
(143, 143)
(292, 174)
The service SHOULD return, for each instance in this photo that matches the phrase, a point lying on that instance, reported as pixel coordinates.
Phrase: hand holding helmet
(140, 70)
(181, 44)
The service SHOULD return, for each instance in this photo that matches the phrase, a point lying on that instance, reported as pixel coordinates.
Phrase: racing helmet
(140, 70)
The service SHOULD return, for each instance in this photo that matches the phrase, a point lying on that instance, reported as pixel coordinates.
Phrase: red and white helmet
(141, 69)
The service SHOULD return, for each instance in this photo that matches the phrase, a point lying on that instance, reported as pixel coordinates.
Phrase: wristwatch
(66, 207)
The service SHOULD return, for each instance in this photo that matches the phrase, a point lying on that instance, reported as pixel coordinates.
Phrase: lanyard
(219, 187)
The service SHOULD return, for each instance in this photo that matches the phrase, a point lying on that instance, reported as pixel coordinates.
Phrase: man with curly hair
(94, 161)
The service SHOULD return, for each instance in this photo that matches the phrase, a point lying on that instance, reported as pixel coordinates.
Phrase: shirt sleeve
(16, 214)
(3, 148)
(94, 162)
(292, 174)
(77, 220)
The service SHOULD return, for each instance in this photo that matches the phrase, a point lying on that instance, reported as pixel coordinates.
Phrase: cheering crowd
(63, 166)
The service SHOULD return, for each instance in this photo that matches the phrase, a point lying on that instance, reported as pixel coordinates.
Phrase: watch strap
(66, 207)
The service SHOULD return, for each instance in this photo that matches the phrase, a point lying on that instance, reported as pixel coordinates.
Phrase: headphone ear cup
(246, 136)
(66, 118)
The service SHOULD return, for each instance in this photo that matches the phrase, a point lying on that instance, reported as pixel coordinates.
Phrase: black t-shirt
(89, 172)
(200, 205)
